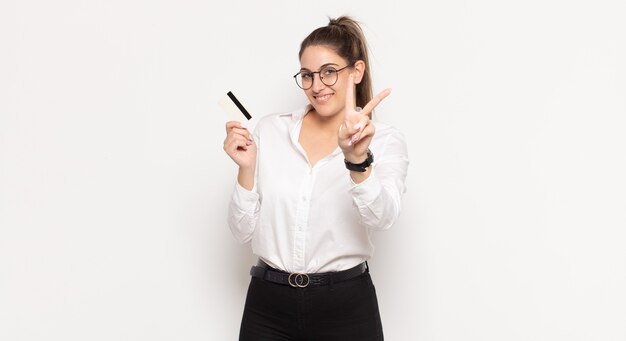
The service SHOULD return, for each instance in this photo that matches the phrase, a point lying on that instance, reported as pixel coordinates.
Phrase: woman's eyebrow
(321, 67)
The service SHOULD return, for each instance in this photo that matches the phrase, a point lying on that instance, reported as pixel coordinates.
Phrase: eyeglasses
(328, 76)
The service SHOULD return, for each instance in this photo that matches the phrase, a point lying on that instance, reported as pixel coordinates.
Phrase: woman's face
(328, 100)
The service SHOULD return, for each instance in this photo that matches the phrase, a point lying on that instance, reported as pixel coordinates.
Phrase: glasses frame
(319, 73)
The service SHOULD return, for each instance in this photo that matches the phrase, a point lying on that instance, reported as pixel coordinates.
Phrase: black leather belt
(303, 280)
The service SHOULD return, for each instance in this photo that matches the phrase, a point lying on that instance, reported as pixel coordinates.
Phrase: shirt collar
(296, 120)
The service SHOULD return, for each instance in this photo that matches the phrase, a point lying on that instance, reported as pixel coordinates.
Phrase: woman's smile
(321, 99)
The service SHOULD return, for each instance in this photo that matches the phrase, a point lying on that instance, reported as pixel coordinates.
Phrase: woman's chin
(325, 110)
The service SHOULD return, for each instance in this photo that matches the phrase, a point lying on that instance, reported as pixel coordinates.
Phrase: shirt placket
(302, 219)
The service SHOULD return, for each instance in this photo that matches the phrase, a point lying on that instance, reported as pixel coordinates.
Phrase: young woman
(312, 186)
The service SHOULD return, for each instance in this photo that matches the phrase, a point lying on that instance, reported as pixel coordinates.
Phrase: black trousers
(346, 311)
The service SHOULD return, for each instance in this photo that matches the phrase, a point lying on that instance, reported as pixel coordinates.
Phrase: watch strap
(360, 167)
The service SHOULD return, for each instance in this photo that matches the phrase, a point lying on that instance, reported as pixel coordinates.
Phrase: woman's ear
(359, 71)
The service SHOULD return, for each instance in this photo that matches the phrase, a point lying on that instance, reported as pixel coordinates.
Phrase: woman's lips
(323, 98)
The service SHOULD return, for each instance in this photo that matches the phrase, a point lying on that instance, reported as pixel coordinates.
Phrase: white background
(114, 185)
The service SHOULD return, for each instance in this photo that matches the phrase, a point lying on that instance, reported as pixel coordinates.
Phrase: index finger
(375, 101)
(233, 124)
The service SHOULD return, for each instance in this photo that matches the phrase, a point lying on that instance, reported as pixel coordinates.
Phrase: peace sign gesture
(356, 131)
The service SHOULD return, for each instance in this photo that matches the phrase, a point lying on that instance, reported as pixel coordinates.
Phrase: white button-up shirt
(316, 219)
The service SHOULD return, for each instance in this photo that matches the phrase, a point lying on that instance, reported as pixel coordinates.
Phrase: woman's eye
(306, 76)
(329, 72)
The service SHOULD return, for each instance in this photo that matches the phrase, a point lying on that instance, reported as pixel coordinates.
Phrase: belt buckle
(298, 280)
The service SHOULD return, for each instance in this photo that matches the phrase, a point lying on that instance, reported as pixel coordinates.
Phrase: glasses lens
(304, 80)
(329, 75)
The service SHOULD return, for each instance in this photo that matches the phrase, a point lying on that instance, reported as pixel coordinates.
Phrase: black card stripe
(241, 108)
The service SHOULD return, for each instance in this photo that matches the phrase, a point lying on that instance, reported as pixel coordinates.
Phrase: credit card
(231, 105)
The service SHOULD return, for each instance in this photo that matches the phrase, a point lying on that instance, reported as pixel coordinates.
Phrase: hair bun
(340, 21)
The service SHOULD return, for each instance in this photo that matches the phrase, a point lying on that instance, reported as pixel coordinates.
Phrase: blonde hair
(345, 36)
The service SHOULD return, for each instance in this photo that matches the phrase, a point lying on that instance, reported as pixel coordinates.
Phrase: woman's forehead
(316, 56)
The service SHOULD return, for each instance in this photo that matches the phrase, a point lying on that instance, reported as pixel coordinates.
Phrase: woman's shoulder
(385, 130)
(388, 137)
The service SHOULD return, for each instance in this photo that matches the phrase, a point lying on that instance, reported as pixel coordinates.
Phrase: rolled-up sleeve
(243, 213)
(378, 198)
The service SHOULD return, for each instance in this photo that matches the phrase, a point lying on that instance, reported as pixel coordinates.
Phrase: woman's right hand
(240, 145)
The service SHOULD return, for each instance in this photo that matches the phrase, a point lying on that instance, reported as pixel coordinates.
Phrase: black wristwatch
(360, 167)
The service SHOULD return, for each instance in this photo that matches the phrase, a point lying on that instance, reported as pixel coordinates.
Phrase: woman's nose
(318, 85)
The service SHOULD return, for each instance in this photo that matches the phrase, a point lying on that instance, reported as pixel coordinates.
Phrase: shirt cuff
(366, 192)
(244, 199)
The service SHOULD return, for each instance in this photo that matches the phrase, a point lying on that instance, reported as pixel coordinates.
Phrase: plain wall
(114, 185)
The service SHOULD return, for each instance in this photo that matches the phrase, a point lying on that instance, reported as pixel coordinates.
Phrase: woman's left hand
(357, 130)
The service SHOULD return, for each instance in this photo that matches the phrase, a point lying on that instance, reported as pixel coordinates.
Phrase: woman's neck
(327, 124)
